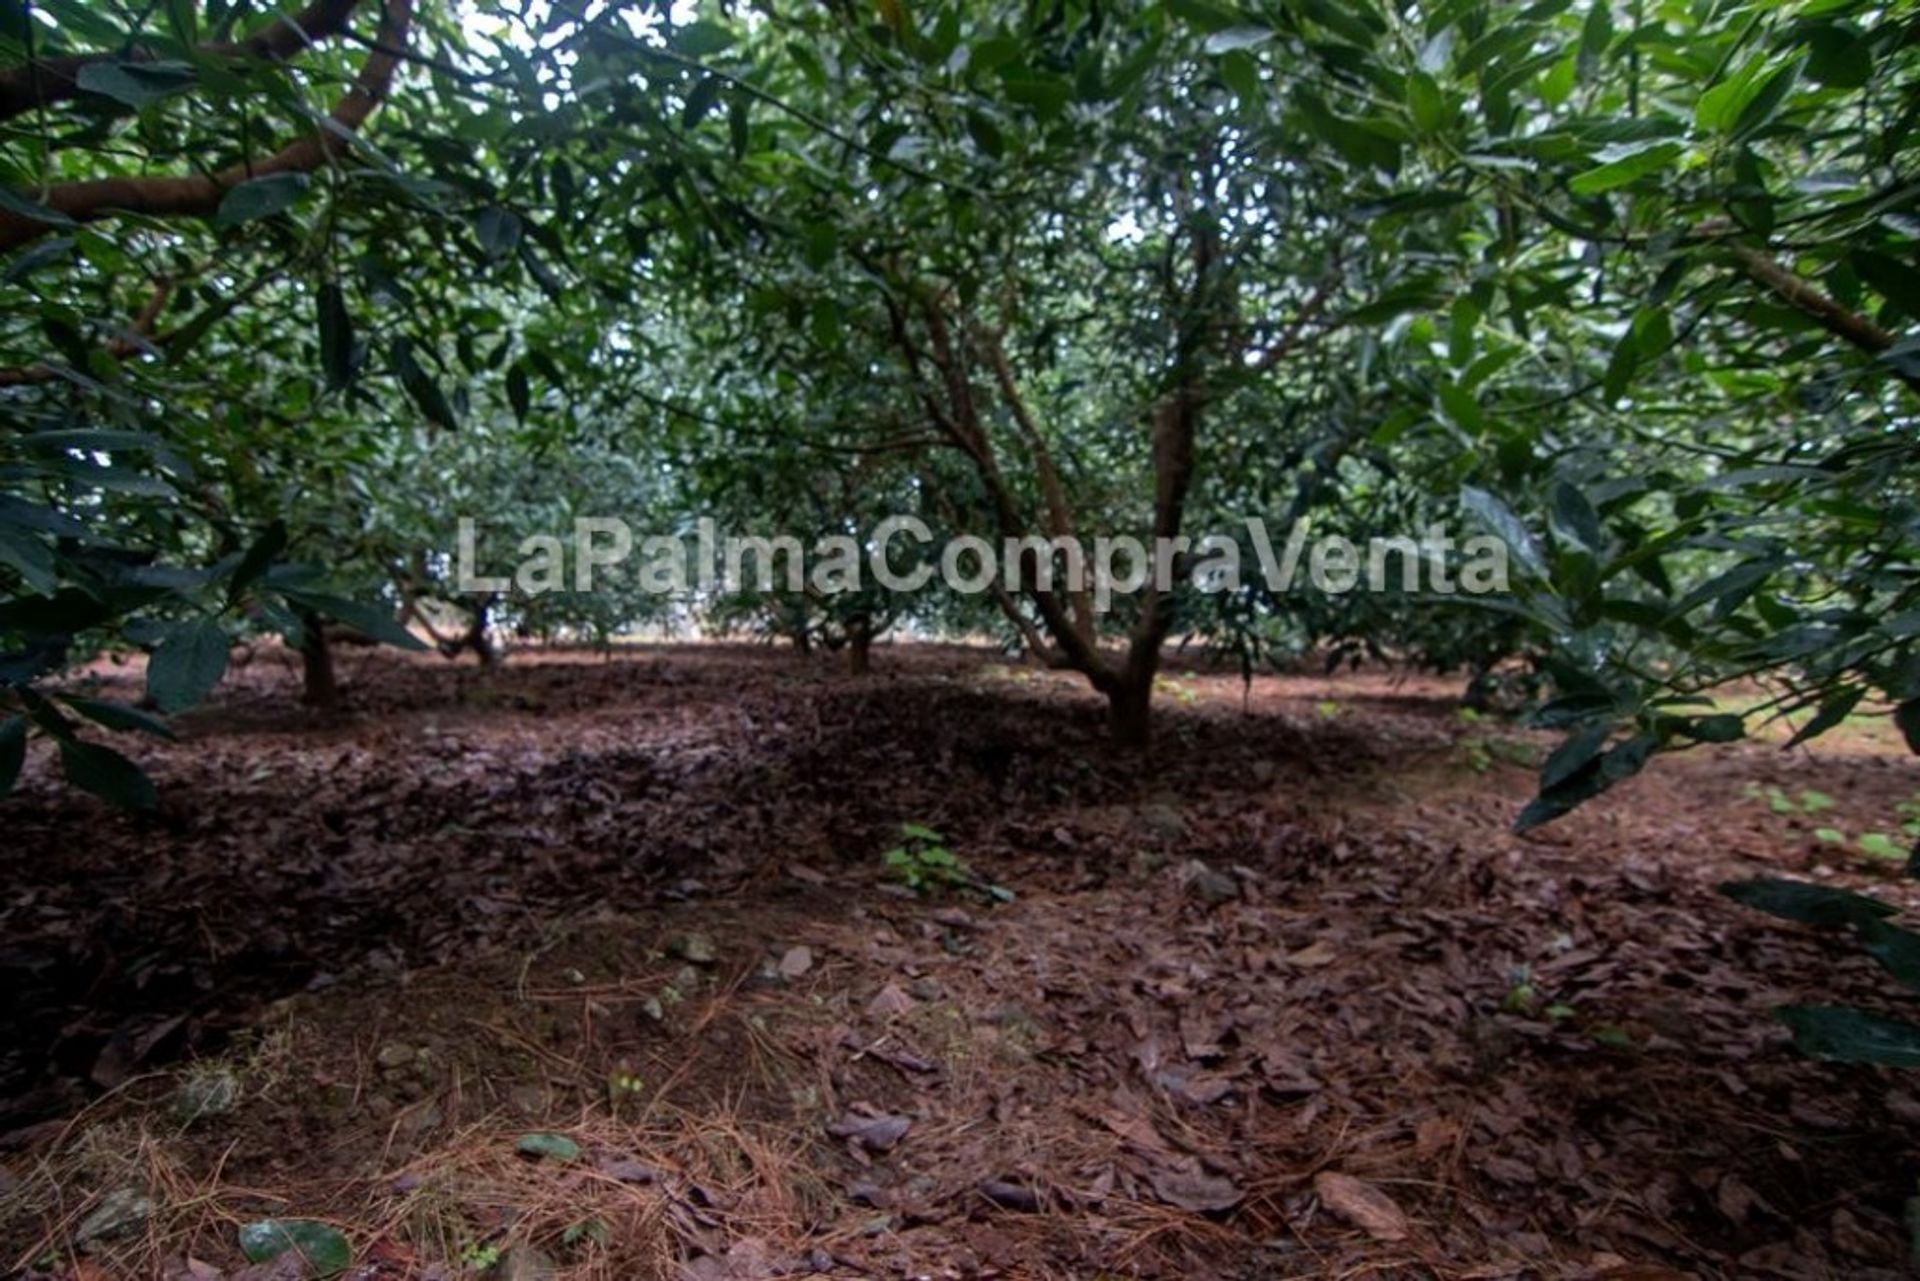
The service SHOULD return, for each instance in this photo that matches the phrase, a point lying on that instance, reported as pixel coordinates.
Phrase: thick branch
(1801, 294)
(45, 81)
(1059, 511)
(199, 195)
(1080, 648)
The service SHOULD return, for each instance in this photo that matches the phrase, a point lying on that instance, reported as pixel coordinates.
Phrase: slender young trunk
(319, 689)
(1130, 709)
(476, 637)
(860, 648)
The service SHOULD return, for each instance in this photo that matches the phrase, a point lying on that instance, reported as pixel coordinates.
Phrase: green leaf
(1582, 784)
(336, 336)
(1209, 17)
(1242, 75)
(1627, 166)
(986, 134)
(498, 231)
(702, 39)
(1426, 102)
(370, 619)
(107, 774)
(1820, 906)
(1573, 517)
(1841, 1034)
(551, 1147)
(257, 560)
(1237, 38)
(323, 1248)
(421, 388)
(121, 718)
(13, 751)
(137, 84)
(1907, 717)
(1834, 709)
(1896, 949)
(260, 198)
(1046, 96)
(702, 100)
(519, 391)
(1897, 281)
(738, 124)
(1499, 518)
(14, 202)
(186, 665)
(1839, 57)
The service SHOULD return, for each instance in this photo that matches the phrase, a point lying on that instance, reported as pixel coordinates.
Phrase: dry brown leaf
(1361, 1204)
(1200, 1193)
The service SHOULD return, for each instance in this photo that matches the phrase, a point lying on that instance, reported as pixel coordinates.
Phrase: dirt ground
(1284, 998)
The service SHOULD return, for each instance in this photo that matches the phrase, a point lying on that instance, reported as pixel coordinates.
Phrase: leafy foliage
(1844, 1033)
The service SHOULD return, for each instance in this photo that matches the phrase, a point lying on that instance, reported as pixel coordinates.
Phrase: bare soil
(1282, 998)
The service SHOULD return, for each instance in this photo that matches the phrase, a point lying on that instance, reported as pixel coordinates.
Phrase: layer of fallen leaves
(1284, 999)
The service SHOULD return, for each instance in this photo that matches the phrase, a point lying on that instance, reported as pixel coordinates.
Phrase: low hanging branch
(199, 195)
(46, 81)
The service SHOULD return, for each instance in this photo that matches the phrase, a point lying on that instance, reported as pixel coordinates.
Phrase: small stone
(652, 1008)
(395, 1055)
(796, 962)
(119, 1213)
(692, 946)
(926, 989)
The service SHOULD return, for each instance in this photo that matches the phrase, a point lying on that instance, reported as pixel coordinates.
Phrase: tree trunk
(476, 637)
(1130, 709)
(319, 689)
(859, 649)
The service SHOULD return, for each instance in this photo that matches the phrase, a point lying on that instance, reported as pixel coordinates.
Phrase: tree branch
(1802, 295)
(200, 194)
(41, 82)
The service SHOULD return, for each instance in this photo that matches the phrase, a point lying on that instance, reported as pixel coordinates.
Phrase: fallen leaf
(1200, 1193)
(1361, 1204)
(875, 1133)
(1314, 955)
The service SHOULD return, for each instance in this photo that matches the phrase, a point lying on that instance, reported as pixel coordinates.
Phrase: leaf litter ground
(591, 967)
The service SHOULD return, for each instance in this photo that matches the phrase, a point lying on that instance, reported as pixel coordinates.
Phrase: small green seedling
(923, 862)
(1523, 996)
(1810, 802)
(925, 865)
(1880, 845)
(479, 1256)
(1185, 693)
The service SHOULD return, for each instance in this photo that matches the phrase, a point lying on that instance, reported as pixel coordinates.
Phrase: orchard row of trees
(1629, 283)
